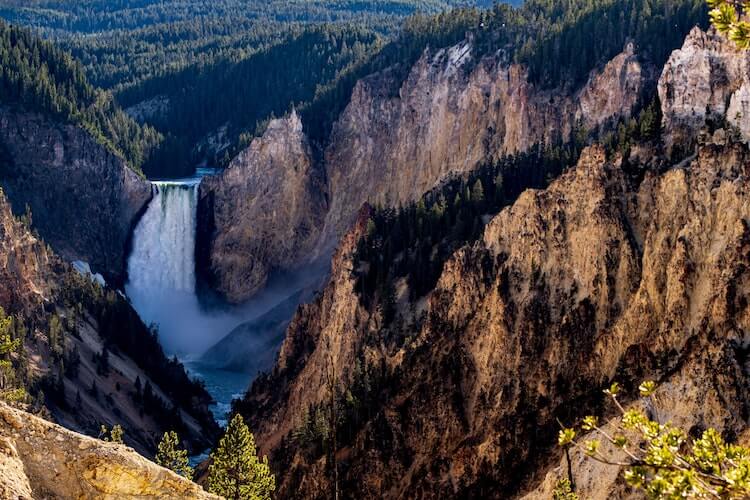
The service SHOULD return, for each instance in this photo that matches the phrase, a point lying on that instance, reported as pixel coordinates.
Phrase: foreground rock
(39, 459)
(84, 200)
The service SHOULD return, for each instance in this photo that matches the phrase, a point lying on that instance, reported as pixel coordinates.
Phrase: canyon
(631, 265)
(624, 268)
(280, 210)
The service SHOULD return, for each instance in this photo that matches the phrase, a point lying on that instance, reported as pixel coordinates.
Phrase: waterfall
(161, 271)
(163, 256)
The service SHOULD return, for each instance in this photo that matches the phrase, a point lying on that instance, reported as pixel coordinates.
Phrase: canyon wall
(600, 277)
(393, 142)
(84, 199)
(623, 269)
(264, 212)
(707, 80)
(63, 356)
(453, 113)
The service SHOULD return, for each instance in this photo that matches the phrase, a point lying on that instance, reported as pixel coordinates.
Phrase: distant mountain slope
(40, 77)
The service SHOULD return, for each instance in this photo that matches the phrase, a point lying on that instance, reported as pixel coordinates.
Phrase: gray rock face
(84, 199)
(264, 212)
(707, 79)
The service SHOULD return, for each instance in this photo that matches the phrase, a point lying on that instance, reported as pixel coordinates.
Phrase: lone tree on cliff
(170, 455)
(730, 17)
(235, 471)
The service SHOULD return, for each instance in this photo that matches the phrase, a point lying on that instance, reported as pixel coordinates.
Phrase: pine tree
(8, 346)
(235, 471)
(169, 455)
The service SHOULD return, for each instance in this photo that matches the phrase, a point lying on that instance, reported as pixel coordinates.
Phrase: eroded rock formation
(608, 274)
(708, 79)
(451, 114)
(39, 459)
(84, 200)
(264, 212)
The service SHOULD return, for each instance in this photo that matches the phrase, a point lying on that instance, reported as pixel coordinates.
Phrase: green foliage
(579, 35)
(112, 436)
(171, 456)
(730, 17)
(414, 241)
(38, 76)
(661, 459)
(564, 491)
(10, 391)
(235, 471)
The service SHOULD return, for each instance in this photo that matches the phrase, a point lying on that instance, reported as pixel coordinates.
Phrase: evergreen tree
(169, 455)
(235, 471)
(8, 345)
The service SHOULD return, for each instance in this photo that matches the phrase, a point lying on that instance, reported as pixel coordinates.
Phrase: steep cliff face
(43, 460)
(451, 114)
(63, 356)
(708, 79)
(263, 213)
(84, 199)
(393, 142)
(607, 274)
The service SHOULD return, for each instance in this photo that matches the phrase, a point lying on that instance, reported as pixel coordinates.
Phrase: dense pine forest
(210, 79)
(39, 76)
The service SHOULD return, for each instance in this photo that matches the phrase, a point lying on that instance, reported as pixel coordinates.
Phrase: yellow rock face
(39, 459)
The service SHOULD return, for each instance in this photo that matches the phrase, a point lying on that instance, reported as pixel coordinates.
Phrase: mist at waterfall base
(161, 287)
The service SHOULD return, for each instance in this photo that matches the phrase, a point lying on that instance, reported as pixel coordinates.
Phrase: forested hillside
(41, 77)
(137, 39)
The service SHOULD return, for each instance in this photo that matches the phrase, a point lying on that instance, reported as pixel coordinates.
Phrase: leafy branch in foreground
(730, 17)
(659, 458)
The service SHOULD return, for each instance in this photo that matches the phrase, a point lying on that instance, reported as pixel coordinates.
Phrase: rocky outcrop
(394, 141)
(605, 275)
(707, 80)
(83, 198)
(39, 459)
(263, 213)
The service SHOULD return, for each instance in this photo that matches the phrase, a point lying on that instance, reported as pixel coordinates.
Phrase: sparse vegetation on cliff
(39, 76)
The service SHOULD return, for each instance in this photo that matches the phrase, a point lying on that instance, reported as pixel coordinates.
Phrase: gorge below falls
(162, 288)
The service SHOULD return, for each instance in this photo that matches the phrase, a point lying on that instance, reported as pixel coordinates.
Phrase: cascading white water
(163, 257)
(161, 287)
(161, 271)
